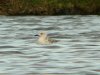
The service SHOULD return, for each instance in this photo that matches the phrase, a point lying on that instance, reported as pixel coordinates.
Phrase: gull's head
(42, 34)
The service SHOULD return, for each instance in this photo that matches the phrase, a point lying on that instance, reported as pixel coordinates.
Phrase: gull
(44, 39)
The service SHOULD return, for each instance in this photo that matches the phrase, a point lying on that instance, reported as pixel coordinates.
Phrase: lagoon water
(76, 53)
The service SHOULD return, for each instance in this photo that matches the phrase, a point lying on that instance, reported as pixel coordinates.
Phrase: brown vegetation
(49, 7)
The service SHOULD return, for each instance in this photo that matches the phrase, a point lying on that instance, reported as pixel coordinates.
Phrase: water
(76, 53)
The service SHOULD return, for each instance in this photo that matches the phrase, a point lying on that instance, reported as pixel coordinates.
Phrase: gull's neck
(43, 39)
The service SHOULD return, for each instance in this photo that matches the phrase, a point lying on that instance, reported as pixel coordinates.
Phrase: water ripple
(76, 53)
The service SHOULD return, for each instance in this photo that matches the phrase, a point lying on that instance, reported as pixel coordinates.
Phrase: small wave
(7, 47)
(48, 28)
(10, 52)
(52, 47)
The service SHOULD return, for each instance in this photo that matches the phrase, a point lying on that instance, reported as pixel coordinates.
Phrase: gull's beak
(36, 35)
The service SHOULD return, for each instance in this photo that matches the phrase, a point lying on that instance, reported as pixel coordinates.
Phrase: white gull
(44, 39)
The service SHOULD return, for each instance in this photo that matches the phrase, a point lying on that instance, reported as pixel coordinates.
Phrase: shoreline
(49, 7)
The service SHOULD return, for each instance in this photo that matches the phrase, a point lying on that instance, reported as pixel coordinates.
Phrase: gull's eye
(41, 33)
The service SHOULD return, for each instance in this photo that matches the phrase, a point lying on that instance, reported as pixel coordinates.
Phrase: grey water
(76, 53)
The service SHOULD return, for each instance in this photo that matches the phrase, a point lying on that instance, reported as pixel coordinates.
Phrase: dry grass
(49, 7)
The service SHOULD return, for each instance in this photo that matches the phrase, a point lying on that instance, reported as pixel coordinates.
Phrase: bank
(49, 7)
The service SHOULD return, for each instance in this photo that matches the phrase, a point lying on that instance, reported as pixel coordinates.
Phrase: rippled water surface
(76, 53)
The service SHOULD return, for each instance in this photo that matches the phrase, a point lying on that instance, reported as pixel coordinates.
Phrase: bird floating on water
(44, 39)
